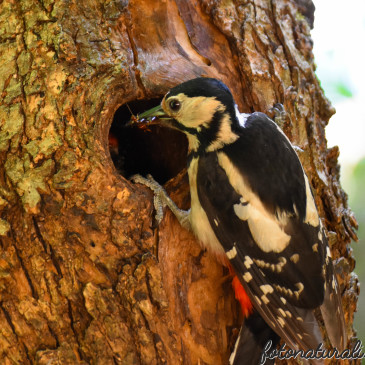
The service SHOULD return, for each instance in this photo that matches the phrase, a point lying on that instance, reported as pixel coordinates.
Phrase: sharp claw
(149, 177)
(279, 107)
(159, 209)
(140, 180)
(161, 200)
(135, 178)
(157, 189)
(298, 149)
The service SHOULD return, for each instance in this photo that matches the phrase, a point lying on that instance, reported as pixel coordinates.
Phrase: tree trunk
(85, 276)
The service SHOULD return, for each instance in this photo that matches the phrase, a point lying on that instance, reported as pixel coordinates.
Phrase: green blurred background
(339, 50)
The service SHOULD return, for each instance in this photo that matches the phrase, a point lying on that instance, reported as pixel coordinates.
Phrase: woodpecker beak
(153, 116)
(156, 112)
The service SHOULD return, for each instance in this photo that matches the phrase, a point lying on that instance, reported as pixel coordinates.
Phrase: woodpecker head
(202, 108)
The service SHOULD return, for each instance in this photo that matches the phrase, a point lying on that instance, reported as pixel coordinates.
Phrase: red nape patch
(242, 297)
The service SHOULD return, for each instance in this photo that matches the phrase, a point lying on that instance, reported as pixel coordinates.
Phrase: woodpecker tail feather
(255, 334)
(335, 324)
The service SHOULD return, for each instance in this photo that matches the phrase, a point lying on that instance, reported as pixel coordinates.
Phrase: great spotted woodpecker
(252, 206)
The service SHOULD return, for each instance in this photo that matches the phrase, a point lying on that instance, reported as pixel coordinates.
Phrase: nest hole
(158, 151)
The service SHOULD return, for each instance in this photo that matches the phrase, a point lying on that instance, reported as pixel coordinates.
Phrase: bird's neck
(218, 134)
(193, 143)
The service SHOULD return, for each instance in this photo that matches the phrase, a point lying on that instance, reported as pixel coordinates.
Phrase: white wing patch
(266, 228)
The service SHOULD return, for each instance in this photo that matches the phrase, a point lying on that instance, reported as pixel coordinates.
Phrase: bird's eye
(174, 105)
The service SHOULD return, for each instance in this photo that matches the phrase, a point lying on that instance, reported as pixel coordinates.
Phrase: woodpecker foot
(280, 114)
(279, 118)
(161, 200)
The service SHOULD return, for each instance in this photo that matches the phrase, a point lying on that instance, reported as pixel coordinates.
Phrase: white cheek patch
(196, 111)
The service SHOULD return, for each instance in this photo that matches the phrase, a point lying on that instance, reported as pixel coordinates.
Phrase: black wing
(259, 204)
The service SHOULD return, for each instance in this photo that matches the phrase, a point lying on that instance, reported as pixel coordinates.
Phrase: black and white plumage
(251, 201)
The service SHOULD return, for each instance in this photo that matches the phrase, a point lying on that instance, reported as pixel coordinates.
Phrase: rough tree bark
(84, 276)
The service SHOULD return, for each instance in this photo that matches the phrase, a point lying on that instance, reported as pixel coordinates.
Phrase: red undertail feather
(242, 297)
(240, 293)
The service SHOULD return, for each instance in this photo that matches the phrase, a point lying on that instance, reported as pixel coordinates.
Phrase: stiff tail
(255, 334)
(333, 317)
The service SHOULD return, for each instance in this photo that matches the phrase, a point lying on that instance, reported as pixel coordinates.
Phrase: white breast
(198, 218)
